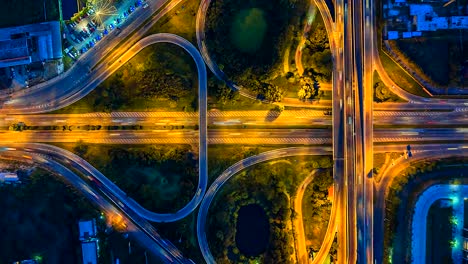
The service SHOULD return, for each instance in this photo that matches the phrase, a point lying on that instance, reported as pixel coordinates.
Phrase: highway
(227, 136)
(305, 117)
(138, 228)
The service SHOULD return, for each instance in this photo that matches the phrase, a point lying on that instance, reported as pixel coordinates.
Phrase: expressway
(217, 118)
(420, 153)
(89, 70)
(227, 136)
(140, 229)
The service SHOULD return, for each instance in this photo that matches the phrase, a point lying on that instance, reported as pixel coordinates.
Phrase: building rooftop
(89, 252)
(15, 43)
(8, 177)
(87, 229)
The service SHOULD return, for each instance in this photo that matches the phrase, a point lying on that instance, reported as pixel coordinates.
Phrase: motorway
(353, 45)
(304, 117)
(228, 136)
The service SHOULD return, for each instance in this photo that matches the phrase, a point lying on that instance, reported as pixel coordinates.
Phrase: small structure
(89, 246)
(87, 229)
(392, 35)
(89, 252)
(30, 43)
(8, 177)
(330, 193)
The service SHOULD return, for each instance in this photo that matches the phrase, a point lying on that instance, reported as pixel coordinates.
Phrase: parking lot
(94, 23)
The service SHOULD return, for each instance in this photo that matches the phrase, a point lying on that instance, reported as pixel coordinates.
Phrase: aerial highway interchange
(359, 128)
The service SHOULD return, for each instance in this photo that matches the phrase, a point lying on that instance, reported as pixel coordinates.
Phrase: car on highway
(145, 5)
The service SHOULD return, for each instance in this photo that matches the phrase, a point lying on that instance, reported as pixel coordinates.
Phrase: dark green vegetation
(22, 12)
(161, 77)
(179, 21)
(439, 57)
(269, 185)
(379, 161)
(40, 218)
(248, 30)
(400, 76)
(248, 40)
(406, 187)
(252, 230)
(316, 208)
(316, 55)
(439, 234)
(382, 93)
(161, 178)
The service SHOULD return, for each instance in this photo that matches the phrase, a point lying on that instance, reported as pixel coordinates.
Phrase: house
(87, 229)
(8, 177)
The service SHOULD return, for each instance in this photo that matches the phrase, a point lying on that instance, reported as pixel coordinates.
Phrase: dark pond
(253, 230)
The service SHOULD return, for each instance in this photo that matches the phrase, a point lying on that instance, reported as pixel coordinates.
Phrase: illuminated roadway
(301, 249)
(232, 118)
(227, 136)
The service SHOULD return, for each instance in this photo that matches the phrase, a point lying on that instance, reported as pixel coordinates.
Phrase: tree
(80, 148)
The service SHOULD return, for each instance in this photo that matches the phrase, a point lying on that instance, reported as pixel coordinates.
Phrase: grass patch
(382, 93)
(439, 234)
(316, 209)
(180, 20)
(401, 77)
